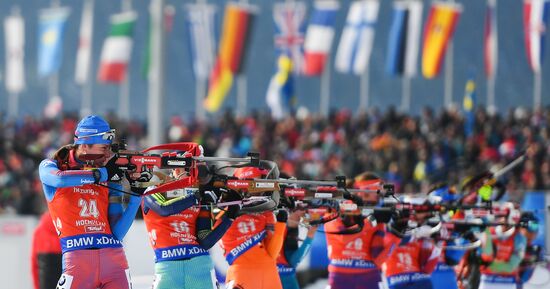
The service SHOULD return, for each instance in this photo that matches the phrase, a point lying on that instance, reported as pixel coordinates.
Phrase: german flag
(438, 31)
(231, 53)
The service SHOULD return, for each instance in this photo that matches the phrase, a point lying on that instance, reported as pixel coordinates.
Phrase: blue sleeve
(121, 219)
(208, 237)
(299, 254)
(163, 207)
(52, 178)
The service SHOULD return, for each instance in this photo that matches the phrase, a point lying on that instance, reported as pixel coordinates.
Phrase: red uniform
(85, 225)
(355, 259)
(370, 247)
(411, 264)
(251, 246)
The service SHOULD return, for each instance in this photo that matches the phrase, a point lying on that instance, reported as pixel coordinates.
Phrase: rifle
(183, 155)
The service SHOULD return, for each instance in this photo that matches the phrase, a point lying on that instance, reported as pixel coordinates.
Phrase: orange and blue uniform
(411, 264)
(355, 259)
(251, 246)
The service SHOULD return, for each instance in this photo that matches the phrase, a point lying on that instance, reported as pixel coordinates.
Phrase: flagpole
(124, 92)
(364, 90)
(53, 89)
(86, 105)
(325, 91)
(200, 90)
(13, 97)
(242, 88)
(406, 94)
(537, 90)
(449, 58)
(491, 93)
(156, 74)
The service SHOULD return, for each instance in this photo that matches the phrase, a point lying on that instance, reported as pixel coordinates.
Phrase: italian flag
(117, 48)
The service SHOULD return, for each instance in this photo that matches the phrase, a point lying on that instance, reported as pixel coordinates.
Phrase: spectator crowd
(411, 151)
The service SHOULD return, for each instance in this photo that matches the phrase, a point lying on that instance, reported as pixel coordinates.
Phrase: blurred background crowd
(412, 152)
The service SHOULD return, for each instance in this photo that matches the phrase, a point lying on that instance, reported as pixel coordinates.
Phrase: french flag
(490, 42)
(535, 19)
(319, 35)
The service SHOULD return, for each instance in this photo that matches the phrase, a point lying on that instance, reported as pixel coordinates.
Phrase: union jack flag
(290, 28)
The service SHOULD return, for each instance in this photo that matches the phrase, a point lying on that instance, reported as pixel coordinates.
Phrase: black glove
(114, 173)
(97, 175)
(470, 236)
(399, 222)
(208, 196)
(282, 216)
(233, 211)
(137, 189)
(382, 216)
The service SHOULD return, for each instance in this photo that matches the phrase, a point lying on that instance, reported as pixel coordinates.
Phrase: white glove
(423, 231)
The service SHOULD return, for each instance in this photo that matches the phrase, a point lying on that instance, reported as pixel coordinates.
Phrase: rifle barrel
(222, 159)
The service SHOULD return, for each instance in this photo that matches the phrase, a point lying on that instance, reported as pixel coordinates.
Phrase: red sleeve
(429, 256)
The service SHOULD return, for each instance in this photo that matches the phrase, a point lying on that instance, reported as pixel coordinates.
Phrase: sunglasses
(107, 135)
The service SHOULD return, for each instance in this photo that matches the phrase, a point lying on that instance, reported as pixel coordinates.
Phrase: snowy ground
(146, 281)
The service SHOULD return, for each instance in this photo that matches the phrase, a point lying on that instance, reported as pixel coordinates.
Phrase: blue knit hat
(93, 130)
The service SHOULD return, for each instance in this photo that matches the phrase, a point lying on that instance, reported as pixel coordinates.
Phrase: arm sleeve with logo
(121, 219)
(164, 207)
(52, 177)
(512, 265)
(208, 236)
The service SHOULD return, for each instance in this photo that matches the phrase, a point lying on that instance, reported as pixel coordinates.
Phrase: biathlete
(416, 257)
(356, 258)
(252, 244)
(86, 208)
(503, 249)
(179, 224)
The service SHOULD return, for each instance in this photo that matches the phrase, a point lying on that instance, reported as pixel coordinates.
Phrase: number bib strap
(179, 252)
(245, 246)
(89, 241)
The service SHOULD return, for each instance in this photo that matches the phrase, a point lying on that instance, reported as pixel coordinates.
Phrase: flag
(469, 104)
(231, 53)
(117, 48)
(490, 43)
(281, 87)
(439, 29)
(14, 31)
(290, 28)
(404, 39)
(357, 38)
(84, 53)
(50, 39)
(535, 21)
(200, 20)
(167, 24)
(319, 35)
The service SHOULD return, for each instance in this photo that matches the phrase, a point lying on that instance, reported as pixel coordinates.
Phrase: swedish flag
(468, 104)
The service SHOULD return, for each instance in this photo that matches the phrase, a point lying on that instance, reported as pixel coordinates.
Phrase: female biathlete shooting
(79, 183)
